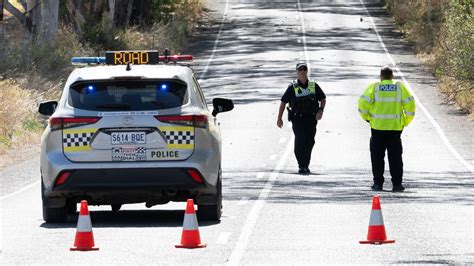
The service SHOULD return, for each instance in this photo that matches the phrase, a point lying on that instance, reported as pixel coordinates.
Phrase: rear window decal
(77, 139)
(128, 113)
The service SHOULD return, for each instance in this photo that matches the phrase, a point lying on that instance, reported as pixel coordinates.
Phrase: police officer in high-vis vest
(306, 105)
(389, 107)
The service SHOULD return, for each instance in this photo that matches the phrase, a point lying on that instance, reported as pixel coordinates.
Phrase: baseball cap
(300, 65)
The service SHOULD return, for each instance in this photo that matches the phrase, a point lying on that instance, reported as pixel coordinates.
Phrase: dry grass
(459, 93)
(19, 126)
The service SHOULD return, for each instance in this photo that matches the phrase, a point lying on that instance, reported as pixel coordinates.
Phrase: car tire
(71, 208)
(53, 215)
(212, 212)
(116, 207)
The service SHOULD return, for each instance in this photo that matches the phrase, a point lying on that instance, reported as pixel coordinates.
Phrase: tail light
(185, 120)
(67, 122)
(195, 175)
(61, 178)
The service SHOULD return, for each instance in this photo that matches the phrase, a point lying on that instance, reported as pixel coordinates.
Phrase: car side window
(199, 93)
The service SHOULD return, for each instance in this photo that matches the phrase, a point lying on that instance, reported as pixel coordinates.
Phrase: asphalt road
(272, 215)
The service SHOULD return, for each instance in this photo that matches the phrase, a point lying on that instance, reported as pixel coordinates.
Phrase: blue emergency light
(87, 60)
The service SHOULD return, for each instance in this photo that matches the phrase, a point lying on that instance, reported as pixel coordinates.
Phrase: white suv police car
(131, 127)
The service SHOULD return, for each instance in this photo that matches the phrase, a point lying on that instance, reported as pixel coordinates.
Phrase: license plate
(129, 154)
(119, 138)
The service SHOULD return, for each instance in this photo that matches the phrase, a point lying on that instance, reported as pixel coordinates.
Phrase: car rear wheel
(116, 207)
(53, 215)
(212, 212)
(71, 207)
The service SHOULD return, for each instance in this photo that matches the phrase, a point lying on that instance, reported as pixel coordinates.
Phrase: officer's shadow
(300, 174)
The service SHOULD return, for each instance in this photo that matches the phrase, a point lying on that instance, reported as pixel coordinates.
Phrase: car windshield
(127, 95)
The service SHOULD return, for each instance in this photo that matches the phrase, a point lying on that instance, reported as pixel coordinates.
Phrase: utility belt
(292, 115)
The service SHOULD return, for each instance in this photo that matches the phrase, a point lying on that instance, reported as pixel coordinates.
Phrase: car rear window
(127, 95)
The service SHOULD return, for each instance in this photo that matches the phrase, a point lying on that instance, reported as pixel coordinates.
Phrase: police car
(131, 127)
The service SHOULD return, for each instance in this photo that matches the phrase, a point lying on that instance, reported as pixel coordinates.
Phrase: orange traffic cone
(84, 238)
(376, 233)
(190, 237)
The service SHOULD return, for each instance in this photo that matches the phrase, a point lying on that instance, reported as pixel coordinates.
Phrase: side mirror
(221, 105)
(47, 108)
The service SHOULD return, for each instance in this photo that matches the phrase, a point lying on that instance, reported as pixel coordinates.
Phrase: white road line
(260, 175)
(272, 157)
(418, 102)
(216, 41)
(252, 217)
(244, 237)
(21, 190)
(223, 238)
(243, 201)
(303, 30)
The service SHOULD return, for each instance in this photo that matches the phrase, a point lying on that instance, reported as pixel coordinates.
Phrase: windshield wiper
(114, 106)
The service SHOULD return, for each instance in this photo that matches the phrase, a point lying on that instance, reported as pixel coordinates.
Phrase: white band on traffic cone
(376, 218)
(84, 223)
(190, 222)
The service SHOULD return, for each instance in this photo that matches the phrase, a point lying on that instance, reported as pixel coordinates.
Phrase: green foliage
(443, 31)
(103, 39)
(32, 125)
(5, 142)
(46, 59)
(457, 41)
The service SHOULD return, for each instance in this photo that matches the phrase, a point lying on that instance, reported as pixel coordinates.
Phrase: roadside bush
(17, 114)
(420, 20)
(455, 54)
(171, 32)
(443, 34)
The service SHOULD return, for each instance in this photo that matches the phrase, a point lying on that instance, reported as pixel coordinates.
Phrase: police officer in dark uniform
(306, 106)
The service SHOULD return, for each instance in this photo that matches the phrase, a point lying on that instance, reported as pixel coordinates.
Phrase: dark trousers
(305, 130)
(380, 141)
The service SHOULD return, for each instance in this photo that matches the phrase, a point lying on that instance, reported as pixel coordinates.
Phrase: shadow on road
(349, 186)
(252, 53)
(131, 218)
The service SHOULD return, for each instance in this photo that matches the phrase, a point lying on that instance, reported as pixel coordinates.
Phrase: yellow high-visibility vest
(387, 105)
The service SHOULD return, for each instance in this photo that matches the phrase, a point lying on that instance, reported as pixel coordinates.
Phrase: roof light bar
(80, 61)
(131, 57)
(175, 58)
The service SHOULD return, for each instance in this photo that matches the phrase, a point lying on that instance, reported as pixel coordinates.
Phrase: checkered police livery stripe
(179, 137)
(77, 139)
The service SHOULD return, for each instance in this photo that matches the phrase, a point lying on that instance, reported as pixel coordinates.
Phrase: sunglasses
(302, 69)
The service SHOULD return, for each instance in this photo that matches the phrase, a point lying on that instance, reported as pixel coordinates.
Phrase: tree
(40, 18)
